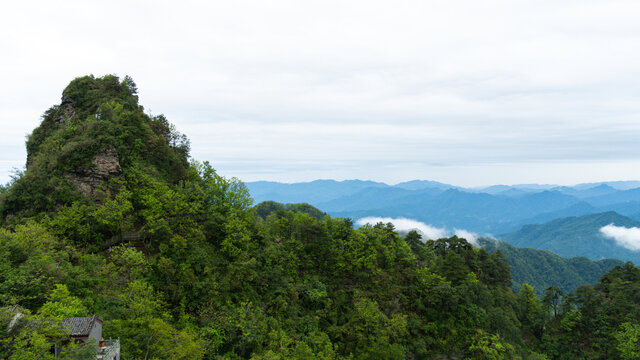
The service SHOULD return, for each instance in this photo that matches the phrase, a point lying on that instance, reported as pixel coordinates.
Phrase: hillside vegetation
(542, 268)
(112, 218)
(576, 236)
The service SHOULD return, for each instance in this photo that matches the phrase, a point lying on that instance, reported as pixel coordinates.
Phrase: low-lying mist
(428, 232)
(628, 238)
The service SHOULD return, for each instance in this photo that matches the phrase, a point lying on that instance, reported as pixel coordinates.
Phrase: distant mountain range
(576, 236)
(490, 210)
(313, 192)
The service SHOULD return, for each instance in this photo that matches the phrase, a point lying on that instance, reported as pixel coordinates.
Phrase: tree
(144, 330)
(552, 297)
(414, 240)
(454, 267)
(61, 304)
(114, 214)
(491, 347)
(130, 264)
(531, 312)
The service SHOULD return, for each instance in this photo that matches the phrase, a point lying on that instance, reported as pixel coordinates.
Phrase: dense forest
(542, 268)
(112, 217)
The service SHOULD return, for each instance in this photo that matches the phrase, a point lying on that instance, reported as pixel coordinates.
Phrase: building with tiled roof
(83, 329)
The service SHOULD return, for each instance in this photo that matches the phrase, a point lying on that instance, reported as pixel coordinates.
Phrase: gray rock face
(67, 109)
(105, 166)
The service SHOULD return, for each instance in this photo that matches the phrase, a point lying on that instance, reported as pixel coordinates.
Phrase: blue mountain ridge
(491, 210)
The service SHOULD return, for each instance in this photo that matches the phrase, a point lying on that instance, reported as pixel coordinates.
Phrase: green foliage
(282, 346)
(82, 351)
(628, 340)
(144, 330)
(60, 304)
(542, 268)
(600, 321)
(490, 347)
(551, 300)
(374, 332)
(531, 312)
(114, 214)
(32, 262)
(130, 264)
(266, 208)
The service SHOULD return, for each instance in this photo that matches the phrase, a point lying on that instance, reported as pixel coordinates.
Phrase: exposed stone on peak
(105, 166)
(67, 111)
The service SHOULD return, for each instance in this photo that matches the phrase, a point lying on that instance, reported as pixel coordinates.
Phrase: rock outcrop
(67, 111)
(104, 167)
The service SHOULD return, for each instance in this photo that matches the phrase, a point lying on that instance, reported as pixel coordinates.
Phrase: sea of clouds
(428, 232)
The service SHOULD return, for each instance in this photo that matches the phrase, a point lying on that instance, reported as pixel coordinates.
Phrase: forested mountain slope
(542, 268)
(576, 236)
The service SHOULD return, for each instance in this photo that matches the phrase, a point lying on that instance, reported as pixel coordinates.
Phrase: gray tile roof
(80, 326)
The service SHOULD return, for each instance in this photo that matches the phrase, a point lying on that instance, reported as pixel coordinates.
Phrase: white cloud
(628, 238)
(468, 235)
(428, 232)
(403, 224)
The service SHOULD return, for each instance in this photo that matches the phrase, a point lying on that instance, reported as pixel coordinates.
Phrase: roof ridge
(81, 325)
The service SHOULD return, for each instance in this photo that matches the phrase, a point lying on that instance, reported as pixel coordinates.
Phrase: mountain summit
(95, 136)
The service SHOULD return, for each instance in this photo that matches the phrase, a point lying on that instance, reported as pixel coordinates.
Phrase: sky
(464, 92)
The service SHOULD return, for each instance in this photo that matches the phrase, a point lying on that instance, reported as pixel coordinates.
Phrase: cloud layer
(628, 238)
(536, 91)
(468, 235)
(428, 232)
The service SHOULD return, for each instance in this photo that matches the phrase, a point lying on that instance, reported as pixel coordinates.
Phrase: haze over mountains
(490, 210)
(566, 220)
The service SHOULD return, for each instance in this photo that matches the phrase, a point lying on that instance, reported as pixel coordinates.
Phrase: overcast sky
(464, 92)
